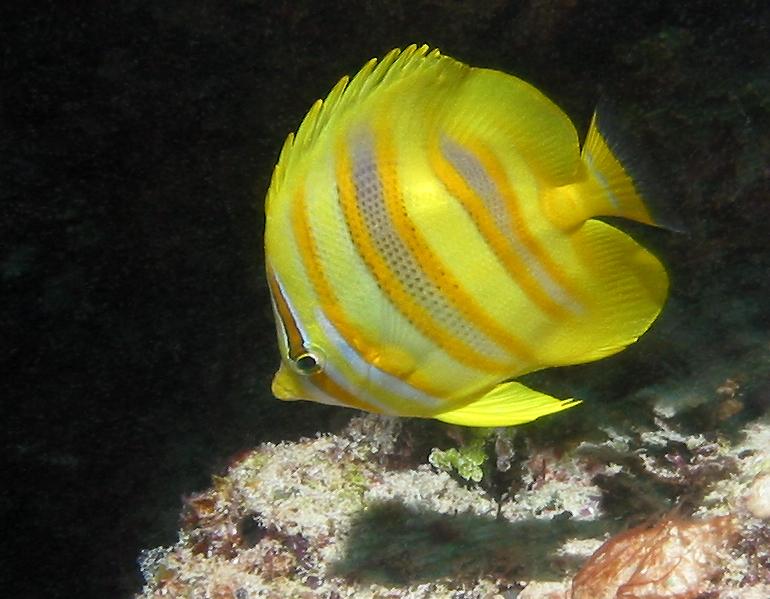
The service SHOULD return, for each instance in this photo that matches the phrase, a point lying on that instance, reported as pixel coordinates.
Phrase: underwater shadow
(396, 545)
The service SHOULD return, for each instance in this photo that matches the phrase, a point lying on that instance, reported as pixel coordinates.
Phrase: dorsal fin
(372, 76)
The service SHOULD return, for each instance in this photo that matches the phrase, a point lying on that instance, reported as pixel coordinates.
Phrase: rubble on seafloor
(648, 512)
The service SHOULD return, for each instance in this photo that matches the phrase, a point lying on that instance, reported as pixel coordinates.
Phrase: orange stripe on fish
(480, 183)
(309, 255)
(355, 208)
(393, 392)
(564, 290)
(444, 283)
(333, 389)
(459, 188)
(331, 306)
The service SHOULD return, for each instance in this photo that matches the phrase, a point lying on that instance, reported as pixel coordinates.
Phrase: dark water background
(136, 147)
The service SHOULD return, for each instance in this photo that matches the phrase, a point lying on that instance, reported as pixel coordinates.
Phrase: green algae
(467, 460)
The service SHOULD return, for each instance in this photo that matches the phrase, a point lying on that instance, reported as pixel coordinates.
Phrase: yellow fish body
(429, 237)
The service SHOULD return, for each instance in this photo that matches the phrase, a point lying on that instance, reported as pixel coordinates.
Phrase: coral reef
(362, 513)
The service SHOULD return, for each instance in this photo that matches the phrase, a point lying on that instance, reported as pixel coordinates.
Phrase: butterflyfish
(430, 237)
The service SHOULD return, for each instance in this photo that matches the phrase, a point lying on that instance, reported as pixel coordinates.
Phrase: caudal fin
(616, 193)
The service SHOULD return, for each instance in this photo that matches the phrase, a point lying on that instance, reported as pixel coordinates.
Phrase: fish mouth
(285, 385)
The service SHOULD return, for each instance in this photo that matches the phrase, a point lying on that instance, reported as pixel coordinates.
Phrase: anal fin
(507, 404)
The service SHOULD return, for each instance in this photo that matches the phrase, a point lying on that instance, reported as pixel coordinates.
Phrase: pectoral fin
(506, 405)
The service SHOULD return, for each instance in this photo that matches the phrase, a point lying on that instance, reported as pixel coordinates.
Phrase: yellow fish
(429, 237)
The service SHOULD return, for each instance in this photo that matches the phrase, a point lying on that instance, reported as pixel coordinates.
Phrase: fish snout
(285, 385)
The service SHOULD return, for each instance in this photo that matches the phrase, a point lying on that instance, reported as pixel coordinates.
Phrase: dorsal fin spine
(347, 92)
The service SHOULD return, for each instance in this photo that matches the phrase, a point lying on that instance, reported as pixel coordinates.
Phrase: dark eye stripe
(288, 322)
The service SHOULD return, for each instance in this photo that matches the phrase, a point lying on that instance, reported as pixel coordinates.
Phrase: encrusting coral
(352, 515)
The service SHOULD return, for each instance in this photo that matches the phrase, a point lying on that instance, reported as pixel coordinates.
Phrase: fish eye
(308, 363)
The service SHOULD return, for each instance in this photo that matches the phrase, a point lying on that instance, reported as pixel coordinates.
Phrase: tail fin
(617, 195)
